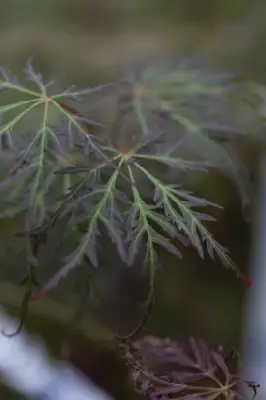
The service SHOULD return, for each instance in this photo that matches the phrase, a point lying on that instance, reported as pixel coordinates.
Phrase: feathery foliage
(115, 181)
(126, 181)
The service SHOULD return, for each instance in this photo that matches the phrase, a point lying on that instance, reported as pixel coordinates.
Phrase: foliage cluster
(163, 369)
(177, 118)
(125, 180)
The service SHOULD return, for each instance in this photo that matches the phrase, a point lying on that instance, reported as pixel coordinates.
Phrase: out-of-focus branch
(255, 314)
(25, 367)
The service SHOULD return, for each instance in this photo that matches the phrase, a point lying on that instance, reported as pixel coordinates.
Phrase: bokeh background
(86, 42)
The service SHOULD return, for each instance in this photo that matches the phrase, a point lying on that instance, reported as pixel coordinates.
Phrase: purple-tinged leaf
(31, 74)
(164, 393)
(221, 364)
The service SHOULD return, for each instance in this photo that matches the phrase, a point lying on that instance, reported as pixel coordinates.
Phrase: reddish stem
(70, 109)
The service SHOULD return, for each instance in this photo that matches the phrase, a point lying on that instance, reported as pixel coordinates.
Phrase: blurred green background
(85, 42)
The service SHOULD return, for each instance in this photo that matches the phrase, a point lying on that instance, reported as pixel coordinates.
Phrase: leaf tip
(247, 282)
